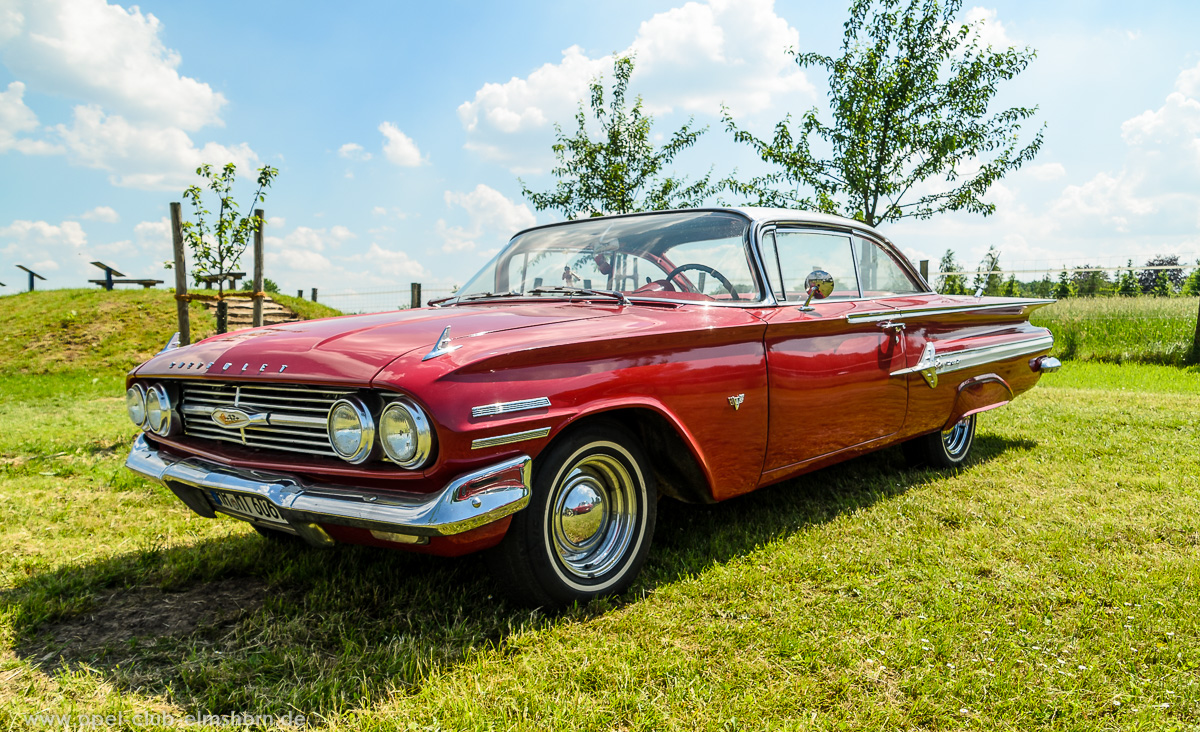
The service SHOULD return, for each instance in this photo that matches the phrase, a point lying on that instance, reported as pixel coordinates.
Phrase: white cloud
(137, 112)
(31, 234)
(493, 217)
(1046, 171)
(693, 58)
(989, 31)
(1188, 82)
(88, 49)
(105, 214)
(15, 119)
(388, 262)
(154, 235)
(353, 151)
(1145, 204)
(398, 147)
(142, 156)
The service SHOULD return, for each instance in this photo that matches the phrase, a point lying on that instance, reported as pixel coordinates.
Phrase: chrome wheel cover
(957, 437)
(593, 515)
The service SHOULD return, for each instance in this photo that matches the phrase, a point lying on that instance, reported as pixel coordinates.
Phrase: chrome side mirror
(818, 284)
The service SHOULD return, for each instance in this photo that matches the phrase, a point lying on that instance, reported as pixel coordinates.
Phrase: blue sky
(400, 129)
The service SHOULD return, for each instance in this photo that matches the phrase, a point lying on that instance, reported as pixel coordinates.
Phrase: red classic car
(592, 367)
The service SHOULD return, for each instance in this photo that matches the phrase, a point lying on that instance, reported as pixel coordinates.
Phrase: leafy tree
(1127, 285)
(1191, 286)
(1011, 287)
(217, 248)
(1162, 284)
(621, 171)
(1064, 288)
(1148, 278)
(988, 276)
(909, 99)
(1088, 284)
(1041, 288)
(269, 285)
(950, 284)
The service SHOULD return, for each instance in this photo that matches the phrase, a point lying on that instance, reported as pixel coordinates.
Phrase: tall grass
(1122, 330)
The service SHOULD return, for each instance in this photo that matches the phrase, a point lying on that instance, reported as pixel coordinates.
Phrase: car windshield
(686, 255)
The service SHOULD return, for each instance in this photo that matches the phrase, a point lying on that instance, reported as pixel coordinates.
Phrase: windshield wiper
(579, 291)
(488, 295)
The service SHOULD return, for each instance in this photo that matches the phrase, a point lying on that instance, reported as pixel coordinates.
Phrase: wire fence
(382, 299)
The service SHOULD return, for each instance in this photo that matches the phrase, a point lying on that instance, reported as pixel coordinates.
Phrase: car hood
(349, 349)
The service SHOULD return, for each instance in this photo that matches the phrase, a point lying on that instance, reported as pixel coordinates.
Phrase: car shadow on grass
(242, 624)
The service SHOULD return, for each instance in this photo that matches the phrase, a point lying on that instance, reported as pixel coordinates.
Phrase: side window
(880, 274)
(802, 252)
(771, 262)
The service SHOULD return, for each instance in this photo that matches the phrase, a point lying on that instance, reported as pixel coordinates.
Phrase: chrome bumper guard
(467, 502)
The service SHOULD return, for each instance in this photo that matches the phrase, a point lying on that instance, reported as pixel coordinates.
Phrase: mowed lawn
(1053, 583)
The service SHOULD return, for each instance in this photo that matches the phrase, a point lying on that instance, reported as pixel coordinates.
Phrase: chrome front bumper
(467, 502)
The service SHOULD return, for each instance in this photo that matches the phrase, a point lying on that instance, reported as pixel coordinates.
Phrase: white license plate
(246, 506)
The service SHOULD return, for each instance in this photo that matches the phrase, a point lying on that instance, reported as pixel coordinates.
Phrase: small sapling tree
(218, 247)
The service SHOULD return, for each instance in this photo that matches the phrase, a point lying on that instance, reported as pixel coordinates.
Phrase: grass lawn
(1122, 329)
(1053, 583)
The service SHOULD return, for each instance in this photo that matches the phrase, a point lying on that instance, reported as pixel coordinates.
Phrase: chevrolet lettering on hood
(540, 413)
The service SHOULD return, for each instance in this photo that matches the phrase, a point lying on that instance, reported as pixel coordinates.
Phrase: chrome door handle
(896, 326)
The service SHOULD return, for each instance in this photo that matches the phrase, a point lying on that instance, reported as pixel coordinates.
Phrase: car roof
(756, 214)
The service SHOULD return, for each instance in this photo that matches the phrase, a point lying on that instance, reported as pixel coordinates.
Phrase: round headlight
(135, 404)
(158, 411)
(405, 434)
(351, 430)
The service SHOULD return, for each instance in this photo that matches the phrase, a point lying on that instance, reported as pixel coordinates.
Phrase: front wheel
(945, 449)
(589, 523)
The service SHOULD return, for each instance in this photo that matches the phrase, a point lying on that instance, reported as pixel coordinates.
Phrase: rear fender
(979, 394)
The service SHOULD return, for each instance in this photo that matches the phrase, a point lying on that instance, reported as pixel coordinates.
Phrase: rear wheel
(945, 449)
(589, 523)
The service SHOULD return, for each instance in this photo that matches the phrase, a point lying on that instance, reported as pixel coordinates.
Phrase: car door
(830, 380)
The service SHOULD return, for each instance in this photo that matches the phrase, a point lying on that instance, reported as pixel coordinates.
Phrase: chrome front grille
(288, 417)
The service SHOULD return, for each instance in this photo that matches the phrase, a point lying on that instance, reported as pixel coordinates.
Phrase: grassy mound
(55, 331)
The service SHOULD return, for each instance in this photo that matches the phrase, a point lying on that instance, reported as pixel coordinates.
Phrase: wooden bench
(108, 281)
(231, 277)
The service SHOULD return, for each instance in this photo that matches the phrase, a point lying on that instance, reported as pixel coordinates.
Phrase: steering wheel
(705, 268)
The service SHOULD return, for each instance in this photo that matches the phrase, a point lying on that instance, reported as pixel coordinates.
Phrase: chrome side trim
(509, 438)
(467, 502)
(933, 363)
(491, 410)
(871, 317)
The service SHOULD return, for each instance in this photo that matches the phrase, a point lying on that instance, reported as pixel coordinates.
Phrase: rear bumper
(467, 502)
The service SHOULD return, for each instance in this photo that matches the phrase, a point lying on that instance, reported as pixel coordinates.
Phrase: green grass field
(1053, 583)
(1119, 329)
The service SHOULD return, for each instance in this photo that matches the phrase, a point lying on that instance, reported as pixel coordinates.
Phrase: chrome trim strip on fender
(876, 315)
(467, 502)
(509, 438)
(521, 405)
(933, 363)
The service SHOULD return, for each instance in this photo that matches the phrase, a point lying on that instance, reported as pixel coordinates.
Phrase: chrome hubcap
(955, 438)
(592, 515)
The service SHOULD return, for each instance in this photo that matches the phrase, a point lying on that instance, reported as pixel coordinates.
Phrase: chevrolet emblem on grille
(232, 418)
